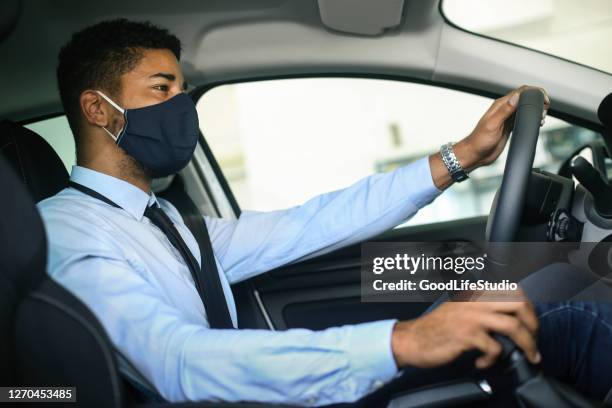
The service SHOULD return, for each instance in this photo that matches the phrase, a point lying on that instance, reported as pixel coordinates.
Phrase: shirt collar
(127, 196)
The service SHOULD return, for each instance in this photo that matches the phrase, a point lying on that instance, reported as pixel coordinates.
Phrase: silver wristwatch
(452, 164)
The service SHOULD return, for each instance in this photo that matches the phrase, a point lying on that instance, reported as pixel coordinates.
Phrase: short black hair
(97, 57)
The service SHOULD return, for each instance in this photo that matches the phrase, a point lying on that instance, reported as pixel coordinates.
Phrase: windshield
(579, 31)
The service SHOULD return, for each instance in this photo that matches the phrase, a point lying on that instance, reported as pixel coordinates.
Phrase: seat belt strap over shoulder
(193, 219)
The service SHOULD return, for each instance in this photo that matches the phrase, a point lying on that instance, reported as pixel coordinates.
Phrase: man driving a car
(126, 253)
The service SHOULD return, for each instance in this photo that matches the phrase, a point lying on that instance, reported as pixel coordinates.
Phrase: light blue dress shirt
(136, 283)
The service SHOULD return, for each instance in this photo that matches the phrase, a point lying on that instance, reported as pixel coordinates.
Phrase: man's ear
(94, 111)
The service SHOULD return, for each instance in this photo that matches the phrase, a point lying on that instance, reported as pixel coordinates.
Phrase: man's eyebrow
(169, 77)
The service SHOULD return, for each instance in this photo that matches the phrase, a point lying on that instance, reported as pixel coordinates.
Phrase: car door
(277, 143)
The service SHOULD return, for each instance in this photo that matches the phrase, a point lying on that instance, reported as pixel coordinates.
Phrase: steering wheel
(506, 211)
(532, 389)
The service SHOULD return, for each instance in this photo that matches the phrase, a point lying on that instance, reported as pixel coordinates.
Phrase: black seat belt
(206, 277)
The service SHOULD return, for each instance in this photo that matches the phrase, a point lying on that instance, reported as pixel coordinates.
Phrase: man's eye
(163, 88)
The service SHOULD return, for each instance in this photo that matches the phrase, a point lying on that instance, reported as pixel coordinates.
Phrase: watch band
(452, 164)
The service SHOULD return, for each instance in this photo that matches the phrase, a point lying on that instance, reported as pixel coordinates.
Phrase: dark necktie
(208, 284)
(206, 278)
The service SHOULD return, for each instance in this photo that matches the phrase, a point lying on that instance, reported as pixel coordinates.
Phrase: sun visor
(363, 17)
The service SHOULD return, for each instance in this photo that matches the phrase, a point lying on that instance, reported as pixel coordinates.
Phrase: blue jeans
(575, 340)
(575, 336)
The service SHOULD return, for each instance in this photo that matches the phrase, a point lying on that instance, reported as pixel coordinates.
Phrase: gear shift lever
(532, 389)
(515, 360)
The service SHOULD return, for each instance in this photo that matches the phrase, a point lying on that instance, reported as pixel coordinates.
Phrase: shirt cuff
(420, 182)
(370, 353)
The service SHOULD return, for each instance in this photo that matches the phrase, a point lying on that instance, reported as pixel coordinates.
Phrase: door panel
(325, 291)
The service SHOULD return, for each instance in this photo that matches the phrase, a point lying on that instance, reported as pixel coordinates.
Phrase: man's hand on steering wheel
(488, 139)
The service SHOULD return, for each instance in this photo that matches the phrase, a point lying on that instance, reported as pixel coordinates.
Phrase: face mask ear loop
(110, 134)
(119, 108)
(109, 100)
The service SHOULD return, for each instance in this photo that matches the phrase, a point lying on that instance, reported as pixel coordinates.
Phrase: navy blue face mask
(161, 137)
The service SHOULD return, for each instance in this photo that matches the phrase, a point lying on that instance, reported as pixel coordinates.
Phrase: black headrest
(36, 163)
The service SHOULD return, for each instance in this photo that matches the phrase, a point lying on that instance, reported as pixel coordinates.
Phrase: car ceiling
(228, 40)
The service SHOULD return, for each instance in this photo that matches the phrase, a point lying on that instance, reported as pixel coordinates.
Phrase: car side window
(281, 142)
(57, 133)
